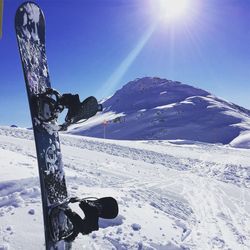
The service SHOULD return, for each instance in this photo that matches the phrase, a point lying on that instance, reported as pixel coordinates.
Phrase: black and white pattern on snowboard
(30, 31)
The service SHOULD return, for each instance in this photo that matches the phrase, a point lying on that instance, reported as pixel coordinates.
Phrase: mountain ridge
(160, 109)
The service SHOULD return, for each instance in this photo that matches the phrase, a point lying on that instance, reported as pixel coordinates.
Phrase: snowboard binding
(92, 208)
(49, 104)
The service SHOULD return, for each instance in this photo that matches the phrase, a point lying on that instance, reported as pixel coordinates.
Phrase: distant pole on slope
(1, 18)
(104, 128)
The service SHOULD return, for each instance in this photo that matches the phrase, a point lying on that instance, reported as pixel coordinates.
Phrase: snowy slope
(172, 194)
(154, 108)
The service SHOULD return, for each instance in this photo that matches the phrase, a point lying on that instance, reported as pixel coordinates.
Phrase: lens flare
(172, 9)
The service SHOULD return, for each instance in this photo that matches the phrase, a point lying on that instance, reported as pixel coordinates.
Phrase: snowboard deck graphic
(30, 32)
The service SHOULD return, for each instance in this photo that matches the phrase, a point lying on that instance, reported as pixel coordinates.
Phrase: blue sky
(96, 46)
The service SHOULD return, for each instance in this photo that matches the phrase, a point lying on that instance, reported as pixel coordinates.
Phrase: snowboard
(30, 32)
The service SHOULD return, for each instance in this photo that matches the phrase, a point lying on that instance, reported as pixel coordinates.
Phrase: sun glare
(172, 9)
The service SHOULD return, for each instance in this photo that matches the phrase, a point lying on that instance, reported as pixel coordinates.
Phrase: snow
(136, 227)
(242, 141)
(165, 106)
(177, 194)
(171, 111)
(98, 119)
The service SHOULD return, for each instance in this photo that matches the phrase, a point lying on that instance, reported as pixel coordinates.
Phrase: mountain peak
(150, 92)
(156, 108)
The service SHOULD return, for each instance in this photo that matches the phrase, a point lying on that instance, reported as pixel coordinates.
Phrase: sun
(169, 10)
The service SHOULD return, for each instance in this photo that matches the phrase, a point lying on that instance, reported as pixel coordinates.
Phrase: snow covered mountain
(154, 108)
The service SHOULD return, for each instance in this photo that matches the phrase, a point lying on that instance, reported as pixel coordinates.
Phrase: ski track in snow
(166, 201)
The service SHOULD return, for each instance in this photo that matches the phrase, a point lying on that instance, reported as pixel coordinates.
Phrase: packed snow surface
(173, 195)
(160, 109)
